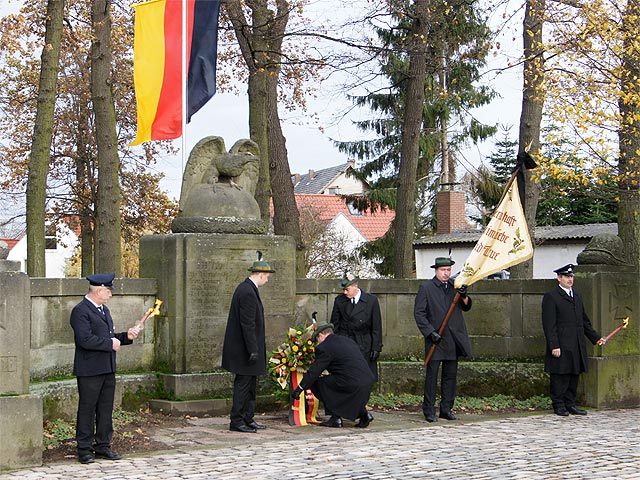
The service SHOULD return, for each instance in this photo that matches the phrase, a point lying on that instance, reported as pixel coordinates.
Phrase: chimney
(311, 174)
(296, 179)
(450, 212)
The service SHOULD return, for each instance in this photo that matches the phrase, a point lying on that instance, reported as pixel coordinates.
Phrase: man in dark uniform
(94, 365)
(244, 349)
(345, 391)
(356, 314)
(432, 303)
(565, 325)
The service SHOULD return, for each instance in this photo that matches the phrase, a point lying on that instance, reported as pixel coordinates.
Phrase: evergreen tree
(458, 41)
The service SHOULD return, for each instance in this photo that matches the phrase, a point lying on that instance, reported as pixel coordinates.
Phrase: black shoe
(242, 428)
(363, 421)
(430, 418)
(86, 458)
(448, 416)
(334, 422)
(370, 417)
(576, 411)
(108, 455)
(562, 412)
(257, 426)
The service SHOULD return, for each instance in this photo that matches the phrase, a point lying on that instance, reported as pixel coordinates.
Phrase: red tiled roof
(11, 242)
(326, 207)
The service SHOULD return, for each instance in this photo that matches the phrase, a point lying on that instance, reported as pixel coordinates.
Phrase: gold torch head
(625, 322)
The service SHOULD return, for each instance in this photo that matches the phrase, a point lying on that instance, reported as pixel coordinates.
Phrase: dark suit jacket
(245, 332)
(345, 391)
(431, 306)
(565, 325)
(93, 332)
(363, 325)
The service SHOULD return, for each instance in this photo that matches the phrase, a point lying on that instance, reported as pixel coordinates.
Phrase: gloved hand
(373, 356)
(253, 358)
(462, 291)
(296, 393)
(435, 337)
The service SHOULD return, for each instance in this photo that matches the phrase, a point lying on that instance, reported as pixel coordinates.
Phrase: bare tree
(41, 142)
(108, 248)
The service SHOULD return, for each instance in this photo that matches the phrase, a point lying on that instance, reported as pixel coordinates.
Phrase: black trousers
(94, 427)
(244, 399)
(563, 388)
(447, 386)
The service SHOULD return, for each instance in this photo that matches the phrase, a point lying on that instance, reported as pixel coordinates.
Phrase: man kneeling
(345, 391)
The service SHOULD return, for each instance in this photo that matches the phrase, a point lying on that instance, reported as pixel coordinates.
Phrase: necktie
(445, 285)
(101, 310)
(571, 293)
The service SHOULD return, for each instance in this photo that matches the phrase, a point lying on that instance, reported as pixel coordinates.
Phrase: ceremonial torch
(625, 322)
(155, 310)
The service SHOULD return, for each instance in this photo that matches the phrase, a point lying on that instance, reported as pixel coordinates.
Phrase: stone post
(20, 413)
(611, 293)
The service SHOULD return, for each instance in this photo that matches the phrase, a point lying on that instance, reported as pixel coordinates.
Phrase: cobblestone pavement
(602, 445)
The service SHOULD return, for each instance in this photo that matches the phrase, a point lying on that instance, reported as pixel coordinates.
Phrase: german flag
(157, 63)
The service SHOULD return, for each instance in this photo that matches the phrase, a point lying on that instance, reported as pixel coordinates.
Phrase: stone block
(197, 275)
(612, 382)
(20, 432)
(188, 386)
(15, 326)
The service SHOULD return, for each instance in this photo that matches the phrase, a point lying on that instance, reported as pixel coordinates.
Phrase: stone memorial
(214, 241)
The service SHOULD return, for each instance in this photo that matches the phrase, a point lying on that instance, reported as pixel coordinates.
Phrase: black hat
(260, 265)
(567, 270)
(102, 279)
(349, 278)
(442, 262)
(321, 328)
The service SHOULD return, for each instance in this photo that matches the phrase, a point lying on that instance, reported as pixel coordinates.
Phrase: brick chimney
(311, 174)
(450, 212)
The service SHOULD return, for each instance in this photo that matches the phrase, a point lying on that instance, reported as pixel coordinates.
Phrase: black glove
(462, 291)
(373, 356)
(253, 358)
(296, 393)
(435, 337)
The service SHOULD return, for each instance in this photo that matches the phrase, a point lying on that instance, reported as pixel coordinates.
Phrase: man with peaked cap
(94, 366)
(356, 314)
(432, 303)
(346, 390)
(565, 325)
(244, 352)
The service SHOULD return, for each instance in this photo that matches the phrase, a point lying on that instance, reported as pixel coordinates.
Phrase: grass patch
(471, 405)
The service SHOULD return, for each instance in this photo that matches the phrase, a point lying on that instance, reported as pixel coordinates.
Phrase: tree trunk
(261, 17)
(107, 230)
(531, 116)
(41, 142)
(629, 139)
(410, 150)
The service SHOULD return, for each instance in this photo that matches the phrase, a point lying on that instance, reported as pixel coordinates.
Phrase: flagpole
(184, 84)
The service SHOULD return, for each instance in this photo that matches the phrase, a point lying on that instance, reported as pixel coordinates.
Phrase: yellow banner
(505, 241)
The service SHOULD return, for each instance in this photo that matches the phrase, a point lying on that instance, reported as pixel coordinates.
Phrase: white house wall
(546, 258)
(345, 185)
(55, 259)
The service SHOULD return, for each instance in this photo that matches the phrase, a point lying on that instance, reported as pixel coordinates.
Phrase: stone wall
(52, 300)
(504, 323)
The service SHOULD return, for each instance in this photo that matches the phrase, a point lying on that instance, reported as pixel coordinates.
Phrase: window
(353, 210)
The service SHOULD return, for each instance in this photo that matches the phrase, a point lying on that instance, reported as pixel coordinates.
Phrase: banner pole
(183, 77)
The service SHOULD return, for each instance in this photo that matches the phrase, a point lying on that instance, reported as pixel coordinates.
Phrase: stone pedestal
(20, 413)
(613, 379)
(197, 274)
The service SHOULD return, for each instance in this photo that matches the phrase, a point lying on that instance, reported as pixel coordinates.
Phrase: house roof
(560, 232)
(317, 181)
(11, 242)
(370, 225)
